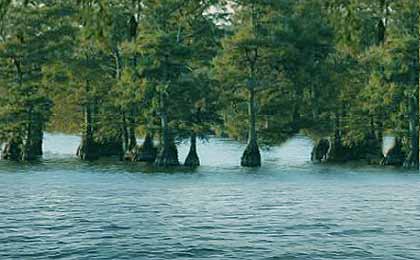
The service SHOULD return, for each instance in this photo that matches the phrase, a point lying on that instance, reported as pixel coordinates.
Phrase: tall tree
(30, 39)
(247, 64)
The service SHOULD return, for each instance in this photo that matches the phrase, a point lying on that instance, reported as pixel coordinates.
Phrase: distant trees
(345, 72)
(370, 35)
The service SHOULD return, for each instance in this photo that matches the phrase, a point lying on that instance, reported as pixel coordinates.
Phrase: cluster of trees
(345, 72)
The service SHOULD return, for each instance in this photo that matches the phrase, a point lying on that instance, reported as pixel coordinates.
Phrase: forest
(343, 72)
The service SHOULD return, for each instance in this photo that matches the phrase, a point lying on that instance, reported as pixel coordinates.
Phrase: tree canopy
(346, 73)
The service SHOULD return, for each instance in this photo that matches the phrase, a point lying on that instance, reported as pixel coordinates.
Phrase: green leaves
(309, 61)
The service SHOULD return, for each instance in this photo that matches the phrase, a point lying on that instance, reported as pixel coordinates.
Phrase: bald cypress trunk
(192, 159)
(29, 146)
(37, 139)
(26, 145)
(12, 150)
(147, 152)
(251, 156)
(124, 134)
(395, 156)
(412, 160)
(87, 150)
(131, 132)
(168, 154)
(30, 150)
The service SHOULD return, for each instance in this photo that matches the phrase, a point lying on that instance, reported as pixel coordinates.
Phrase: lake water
(61, 208)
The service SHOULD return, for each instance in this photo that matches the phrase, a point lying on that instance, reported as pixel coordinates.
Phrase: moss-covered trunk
(192, 159)
(251, 156)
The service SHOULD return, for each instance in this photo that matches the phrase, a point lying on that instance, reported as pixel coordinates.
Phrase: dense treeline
(344, 72)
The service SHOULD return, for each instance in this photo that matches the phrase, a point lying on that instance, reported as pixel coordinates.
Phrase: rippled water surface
(289, 209)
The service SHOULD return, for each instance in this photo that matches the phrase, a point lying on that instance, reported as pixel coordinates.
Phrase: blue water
(61, 208)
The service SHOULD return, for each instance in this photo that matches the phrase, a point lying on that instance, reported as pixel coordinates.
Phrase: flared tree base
(370, 151)
(91, 150)
(16, 151)
(395, 155)
(147, 152)
(320, 151)
(12, 151)
(192, 160)
(141, 154)
(251, 156)
(87, 151)
(411, 162)
(167, 157)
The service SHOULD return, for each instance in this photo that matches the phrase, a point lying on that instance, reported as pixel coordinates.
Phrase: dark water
(288, 209)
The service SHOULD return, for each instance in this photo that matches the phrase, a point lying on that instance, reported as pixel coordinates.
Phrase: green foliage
(327, 67)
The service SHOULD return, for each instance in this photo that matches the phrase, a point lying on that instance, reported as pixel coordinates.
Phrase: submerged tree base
(320, 151)
(12, 151)
(251, 156)
(147, 152)
(17, 151)
(335, 151)
(411, 162)
(87, 151)
(395, 156)
(192, 159)
(168, 157)
(91, 150)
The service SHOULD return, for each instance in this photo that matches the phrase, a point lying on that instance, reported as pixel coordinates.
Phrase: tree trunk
(124, 133)
(412, 160)
(131, 131)
(372, 146)
(314, 103)
(87, 149)
(251, 156)
(192, 159)
(336, 151)
(147, 151)
(26, 153)
(395, 156)
(168, 155)
(32, 144)
(12, 150)
(382, 23)
(38, 136)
